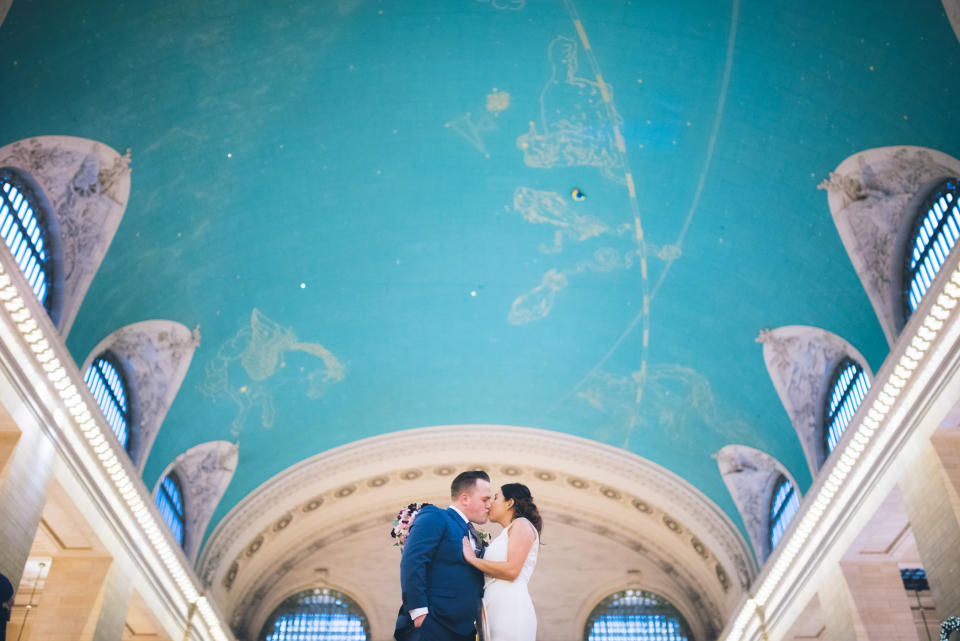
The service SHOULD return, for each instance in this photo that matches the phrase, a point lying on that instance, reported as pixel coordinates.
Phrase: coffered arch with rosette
(627, 521)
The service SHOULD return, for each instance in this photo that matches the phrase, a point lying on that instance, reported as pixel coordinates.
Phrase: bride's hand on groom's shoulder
(468, 553)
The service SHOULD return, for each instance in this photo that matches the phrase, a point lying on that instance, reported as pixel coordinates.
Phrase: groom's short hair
(465, 482)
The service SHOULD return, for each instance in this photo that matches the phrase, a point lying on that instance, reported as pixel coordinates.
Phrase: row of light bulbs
(870, 420)
(97, 435)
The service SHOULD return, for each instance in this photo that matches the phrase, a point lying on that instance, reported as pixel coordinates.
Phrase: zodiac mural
(538, 302)
(577, 119)
(474, 128)
(245, 365)
(506, 5)
(549, 208)
(674, 399)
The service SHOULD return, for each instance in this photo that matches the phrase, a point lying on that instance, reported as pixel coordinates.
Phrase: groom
(441, 591)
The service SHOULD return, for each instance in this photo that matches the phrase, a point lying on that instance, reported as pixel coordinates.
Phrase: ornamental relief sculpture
(155, 356)
(750, 474)
(204, 471)
(244, 610)
(87, 185)
(532, 444)
(800, 360)
(872, 197)
(277, 530)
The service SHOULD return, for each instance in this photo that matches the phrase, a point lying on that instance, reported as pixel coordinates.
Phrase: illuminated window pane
(935, 232)
(914, 579)
(108, 388)
(848, 388)
(316, 615)
(23, 230)
(636, 615)
(782, 510)
(169, 500)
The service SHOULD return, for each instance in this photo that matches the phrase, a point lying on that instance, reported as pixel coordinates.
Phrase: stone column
(116, 602)
(69, 607)
(24, 476)
(866, 601)
(931, 492)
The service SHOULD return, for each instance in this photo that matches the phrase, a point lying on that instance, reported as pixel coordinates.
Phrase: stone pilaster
(117, 591)
(24, 477)
(72, 599)
(931, 491)
(866, 601)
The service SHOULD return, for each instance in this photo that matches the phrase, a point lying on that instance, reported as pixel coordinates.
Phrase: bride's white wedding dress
(508, 610)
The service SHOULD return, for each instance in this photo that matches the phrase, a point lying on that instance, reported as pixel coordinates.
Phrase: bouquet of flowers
(401, 527)
(950, 625)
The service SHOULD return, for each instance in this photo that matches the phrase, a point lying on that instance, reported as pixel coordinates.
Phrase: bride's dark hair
(523, 504)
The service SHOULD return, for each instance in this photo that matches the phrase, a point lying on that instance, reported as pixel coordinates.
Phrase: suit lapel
(457, 520)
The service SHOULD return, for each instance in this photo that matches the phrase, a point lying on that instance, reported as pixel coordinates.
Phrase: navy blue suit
(434, 575)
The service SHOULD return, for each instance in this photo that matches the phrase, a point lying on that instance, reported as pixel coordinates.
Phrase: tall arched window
(106, 382)
(848, 387)
(169, 499)
(24, 230)
(316, 615)
(636, 615)
(783, 508)
(935, 232)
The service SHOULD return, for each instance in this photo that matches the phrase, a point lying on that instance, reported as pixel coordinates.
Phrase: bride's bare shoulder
(523, 524)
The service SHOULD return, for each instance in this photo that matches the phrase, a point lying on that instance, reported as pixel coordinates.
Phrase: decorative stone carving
(952, 7)
(204, 471)
(155, 355)
(749, 475)
(331, 471)
(87, 185)
(873, 196)
(800, 360)
(271, 534)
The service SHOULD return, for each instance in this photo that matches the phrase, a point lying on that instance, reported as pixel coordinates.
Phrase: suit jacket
(434, 575)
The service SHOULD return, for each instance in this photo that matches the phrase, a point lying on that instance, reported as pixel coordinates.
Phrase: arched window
(783, 507)
(636, 615)
(316, 615)
(935, 232)
(106, 382)
(24, 230)
(169, 499)
(848, 387)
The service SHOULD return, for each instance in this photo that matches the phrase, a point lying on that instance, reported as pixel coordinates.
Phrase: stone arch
(873, 197)
(270, 606)
(204, 472)
(597, 596)
(155, 355)
(87, 184)
(800, 360)
(750, 476)
(341, 503)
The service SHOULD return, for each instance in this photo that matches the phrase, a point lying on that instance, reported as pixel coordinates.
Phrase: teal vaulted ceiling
(366, 207)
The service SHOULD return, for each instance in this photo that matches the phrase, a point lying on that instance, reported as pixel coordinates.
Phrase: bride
(508, 563)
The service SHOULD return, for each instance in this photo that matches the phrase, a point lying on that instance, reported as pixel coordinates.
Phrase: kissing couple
(456, 589)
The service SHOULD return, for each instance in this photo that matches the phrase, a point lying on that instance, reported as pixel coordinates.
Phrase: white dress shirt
(416, 612)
